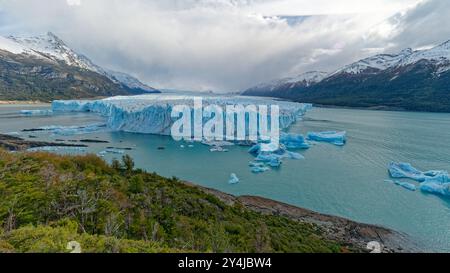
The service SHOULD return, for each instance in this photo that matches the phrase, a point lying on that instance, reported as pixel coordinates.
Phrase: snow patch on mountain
(11, 46)
(439, 56)
(306, 79)
(128, 81)
(52, 48)
(377, 63)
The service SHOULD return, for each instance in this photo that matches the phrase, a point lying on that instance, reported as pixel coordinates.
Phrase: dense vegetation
(47, 201)
(27, 78)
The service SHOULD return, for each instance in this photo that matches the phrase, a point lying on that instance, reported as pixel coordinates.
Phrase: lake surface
(344, 181)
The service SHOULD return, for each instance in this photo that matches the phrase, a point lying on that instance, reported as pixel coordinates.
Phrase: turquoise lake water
(344, 181)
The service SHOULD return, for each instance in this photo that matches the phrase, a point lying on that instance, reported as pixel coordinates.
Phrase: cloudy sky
(229, 45)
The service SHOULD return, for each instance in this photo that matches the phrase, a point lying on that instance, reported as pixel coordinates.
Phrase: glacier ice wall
(151, 114)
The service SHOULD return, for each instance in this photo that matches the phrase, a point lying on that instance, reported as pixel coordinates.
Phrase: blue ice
(435, 181)
(233, 179)
(294, 141)
(333, 137)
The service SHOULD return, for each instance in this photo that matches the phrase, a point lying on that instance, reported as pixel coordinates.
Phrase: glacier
(434, 181)
(336, 138)
(151, 113)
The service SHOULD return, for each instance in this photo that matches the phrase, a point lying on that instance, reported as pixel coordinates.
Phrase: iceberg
(336, 138)
(151, 113)
(218, 149)
(270, 155)
(406, 170)
(233, 179)
(217, 143)
(436, 188)
(258, 167)
(294, 141)
(435, 181)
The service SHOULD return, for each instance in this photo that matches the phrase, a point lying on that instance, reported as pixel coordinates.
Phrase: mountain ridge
(417, 80)
(44, 67)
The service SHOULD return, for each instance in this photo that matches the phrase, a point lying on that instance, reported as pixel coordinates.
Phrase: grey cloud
(206, 44)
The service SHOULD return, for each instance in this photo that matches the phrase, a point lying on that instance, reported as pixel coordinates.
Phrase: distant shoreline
(25, 102)
(372, 108)
(377, 108)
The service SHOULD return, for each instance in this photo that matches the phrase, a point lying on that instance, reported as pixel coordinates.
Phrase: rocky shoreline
(353, 234)
(12, 143)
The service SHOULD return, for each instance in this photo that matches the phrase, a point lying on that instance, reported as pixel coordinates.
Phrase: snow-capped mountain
(375, 63)
(412, 79)
(302, 80)
(438, 56)
(52, 48)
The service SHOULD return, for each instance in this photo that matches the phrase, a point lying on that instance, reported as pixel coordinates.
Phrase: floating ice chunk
(233, 179)
(267, 157)
(259, 169)
(218, 149)
(271, 155)
(275, 163)
(36, 112)
(436, 182)
(266, 148)
(217, 143)
(336, 138)
(294, 141)
(292, 155)
(436, 188)
(406, 170)
(406, 185)
(256, 164)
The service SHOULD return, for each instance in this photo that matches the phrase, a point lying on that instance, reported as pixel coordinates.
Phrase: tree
(128, 162)
(116, 164)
